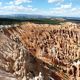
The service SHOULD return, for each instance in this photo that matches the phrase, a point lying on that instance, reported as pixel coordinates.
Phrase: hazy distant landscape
(12, 19)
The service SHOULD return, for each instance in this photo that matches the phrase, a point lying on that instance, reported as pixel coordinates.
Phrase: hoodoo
(40, 52)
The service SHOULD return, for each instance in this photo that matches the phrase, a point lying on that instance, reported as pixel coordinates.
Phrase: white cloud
(55, 1)
(61, 9)
(66, 6)
(18, 2)
(10, 3)
(0, 3)
(65, 10)
(29, 6)
(17, 8)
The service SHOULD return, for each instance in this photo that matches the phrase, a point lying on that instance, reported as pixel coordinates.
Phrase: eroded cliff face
(40, 51)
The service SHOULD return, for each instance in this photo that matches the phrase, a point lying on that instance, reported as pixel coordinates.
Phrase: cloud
(18, 2)
(17, 6)
(17, 9)
(66, 6)
(55, 1)
(62, 8)
(0, 3)
(65, 10)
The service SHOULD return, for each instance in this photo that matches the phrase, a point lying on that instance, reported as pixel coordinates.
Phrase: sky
(70, 8)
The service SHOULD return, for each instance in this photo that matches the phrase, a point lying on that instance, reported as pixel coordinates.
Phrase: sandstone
(40, 51)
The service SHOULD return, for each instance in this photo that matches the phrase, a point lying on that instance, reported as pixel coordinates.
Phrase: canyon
(30, 51)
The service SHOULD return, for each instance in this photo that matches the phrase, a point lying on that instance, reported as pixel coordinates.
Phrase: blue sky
(42, 7)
